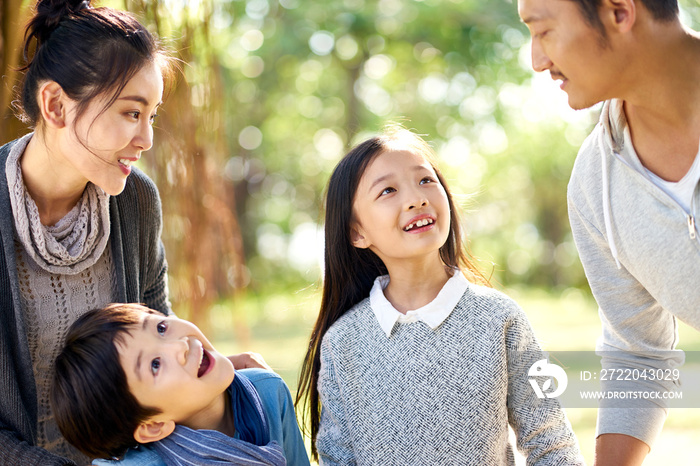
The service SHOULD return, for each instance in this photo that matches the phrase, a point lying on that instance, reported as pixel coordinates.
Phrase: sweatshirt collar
(433, 314)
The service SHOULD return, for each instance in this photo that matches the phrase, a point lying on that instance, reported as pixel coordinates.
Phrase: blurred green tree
(273, 92)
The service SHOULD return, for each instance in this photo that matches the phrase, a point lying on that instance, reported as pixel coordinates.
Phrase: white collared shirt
(434, 313)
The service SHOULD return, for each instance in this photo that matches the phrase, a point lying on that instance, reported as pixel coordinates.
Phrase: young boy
(131, 379)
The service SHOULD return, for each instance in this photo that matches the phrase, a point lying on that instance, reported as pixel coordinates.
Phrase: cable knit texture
(73, 244)
(51, 303)
(438, 397)
(131, 269)
(63, 270)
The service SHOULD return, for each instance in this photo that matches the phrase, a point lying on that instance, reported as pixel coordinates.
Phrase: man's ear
(152, 431)
(52, 104)
(619, 14)
(357, 238)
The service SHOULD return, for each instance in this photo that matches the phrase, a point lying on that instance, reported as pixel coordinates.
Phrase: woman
(79, 226)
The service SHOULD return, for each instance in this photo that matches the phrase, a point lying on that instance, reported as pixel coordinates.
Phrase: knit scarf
(188, 447)
(73, 244)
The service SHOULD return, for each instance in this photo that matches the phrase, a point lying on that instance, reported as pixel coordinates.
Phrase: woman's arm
(153, 263)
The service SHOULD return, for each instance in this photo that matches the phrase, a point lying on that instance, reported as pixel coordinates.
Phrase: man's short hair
(90, 396)
(662, 10)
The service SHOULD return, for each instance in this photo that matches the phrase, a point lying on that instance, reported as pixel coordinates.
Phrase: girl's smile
(420, 224)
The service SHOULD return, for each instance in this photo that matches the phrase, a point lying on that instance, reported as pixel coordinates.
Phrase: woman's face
(101, 145)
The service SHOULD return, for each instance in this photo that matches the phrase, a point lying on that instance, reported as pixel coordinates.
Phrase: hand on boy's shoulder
(248, 360)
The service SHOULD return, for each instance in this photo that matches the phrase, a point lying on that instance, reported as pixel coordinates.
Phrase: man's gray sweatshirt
(641, 253)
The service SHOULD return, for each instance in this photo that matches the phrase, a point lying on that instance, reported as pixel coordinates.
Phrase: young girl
(413, 359)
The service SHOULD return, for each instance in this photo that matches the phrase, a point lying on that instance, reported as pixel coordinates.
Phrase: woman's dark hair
(349, 272)
(88, 51)
(90, 397)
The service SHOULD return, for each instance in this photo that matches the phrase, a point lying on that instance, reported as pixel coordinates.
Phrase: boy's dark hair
(662, 10)
(87, 51)
(350, 272)
(90, 396)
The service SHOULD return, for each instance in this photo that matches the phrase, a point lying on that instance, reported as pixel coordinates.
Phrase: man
(633, 196)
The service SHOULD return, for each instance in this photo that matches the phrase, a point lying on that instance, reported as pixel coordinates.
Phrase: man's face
(573, 51)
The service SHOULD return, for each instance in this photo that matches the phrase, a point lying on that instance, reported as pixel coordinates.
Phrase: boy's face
(170, 365)
(573, 51)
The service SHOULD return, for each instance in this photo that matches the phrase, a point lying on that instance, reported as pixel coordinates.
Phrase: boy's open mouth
(205, 364)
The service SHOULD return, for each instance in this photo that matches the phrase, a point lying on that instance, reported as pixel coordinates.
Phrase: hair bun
(49, 14)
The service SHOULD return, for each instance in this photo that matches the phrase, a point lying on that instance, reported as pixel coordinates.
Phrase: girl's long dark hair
(349, 272)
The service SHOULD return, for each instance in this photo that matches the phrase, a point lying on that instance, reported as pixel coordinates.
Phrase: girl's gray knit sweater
(438, 397)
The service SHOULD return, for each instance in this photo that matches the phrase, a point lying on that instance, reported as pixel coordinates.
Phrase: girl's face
(100, 146)
(400, 210)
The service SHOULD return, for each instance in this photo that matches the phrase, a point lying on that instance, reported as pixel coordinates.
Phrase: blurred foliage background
(272, 93)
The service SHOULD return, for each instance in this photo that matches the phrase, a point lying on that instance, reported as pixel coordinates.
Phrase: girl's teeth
(125, 162)
(419, 223)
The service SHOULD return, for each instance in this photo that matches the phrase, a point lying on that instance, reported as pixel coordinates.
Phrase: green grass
(278, 327)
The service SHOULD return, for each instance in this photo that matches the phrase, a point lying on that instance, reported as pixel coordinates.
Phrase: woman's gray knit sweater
(140, 271)
(438, 397)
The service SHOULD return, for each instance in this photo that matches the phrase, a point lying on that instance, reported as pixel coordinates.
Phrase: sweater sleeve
(14, 451)
(542, 430)
(155, 293)
(16, 373)
(142, 269)
(638, 333)
(333, 438)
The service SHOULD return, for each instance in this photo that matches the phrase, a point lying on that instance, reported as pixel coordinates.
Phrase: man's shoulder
(589, 153)
(586, 172)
